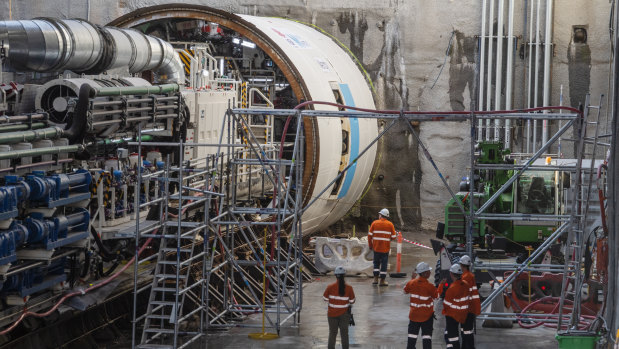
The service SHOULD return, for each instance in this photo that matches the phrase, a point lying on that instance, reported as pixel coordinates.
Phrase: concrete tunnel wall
(402, 45)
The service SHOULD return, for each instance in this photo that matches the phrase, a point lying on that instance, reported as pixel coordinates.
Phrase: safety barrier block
(352, 254)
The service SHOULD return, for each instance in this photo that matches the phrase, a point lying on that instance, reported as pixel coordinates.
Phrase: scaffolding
(211, 228)
(573, 224)
(240, 220)
(213, 243)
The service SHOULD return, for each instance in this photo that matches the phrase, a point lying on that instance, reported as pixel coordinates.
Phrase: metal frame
(573, 121)
(285, 260)
(231, 226)
(178, 292)
(573, 224)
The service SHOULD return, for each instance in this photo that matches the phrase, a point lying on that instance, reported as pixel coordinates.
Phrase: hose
(75, 133)
(76, 293)
(583, 322)
(398, 112)
(103, 250)
(107, 272)
(464, 112)
(86, 264)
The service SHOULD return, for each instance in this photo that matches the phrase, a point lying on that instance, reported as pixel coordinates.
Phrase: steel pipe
(490, 53)
(482, 62)
(499, 67)
(30, 135)
(36, 164)
(529, 46)
(510, 72)
(48, 44)
(14, 154)
(22, 127)
(536, 84)
(5, 119)
(547, 53)
(135, 90)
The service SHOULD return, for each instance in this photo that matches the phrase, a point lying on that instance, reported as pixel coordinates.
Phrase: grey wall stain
(356, 25)
(461, 70)
(388, 71)
(398, 155)
(579, 72)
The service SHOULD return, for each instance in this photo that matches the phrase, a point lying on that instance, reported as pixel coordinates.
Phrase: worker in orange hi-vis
(421, 316)
(455, 306)
(380, 236)
(340, 296)
(468, 329)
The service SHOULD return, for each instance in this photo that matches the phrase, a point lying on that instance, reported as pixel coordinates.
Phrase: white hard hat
(465, 260)
(384, 212)
(339, 271)
(422, 267)
(456, 269)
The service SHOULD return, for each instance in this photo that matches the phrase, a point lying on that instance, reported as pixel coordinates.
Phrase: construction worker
(422, 294)
(468, 329)
(379, 240)
(455, 306)
(340, 296)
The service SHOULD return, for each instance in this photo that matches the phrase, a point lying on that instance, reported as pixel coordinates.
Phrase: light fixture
(236, 41)
(260, 79)
(248, 44)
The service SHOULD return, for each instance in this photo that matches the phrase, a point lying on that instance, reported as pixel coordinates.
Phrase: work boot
(383, 282)
(375, 282)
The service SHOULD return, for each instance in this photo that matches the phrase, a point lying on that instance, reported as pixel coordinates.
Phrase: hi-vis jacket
(457, 300)
(422, 293)
(338, 305)
(475, 306)
(380, 235)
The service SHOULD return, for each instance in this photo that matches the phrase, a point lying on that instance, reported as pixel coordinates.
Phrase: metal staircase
(210, 234)
(167, 316)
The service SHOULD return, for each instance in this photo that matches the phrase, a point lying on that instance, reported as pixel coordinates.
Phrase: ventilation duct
(48, 45)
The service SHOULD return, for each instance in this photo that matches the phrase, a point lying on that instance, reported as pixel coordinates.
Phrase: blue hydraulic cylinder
(59, 189)
(8, 203)
(57, 232)
(10, 240)
(36, 279)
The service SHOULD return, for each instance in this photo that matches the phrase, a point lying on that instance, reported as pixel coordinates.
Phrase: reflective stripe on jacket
(457, 300)
(475, 306)
(422, 293)
(380, 235)
(338, 305)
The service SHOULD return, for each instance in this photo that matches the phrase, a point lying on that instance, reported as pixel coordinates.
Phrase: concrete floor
(381, 316)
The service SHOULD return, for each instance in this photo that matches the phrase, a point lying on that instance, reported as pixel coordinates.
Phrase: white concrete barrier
(352, 254)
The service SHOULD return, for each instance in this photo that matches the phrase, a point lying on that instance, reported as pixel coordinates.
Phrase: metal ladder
(171, 280)
(581, 196)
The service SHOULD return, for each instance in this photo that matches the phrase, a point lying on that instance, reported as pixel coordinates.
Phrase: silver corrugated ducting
(49, 45)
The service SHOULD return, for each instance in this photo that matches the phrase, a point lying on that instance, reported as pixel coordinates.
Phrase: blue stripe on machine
(353, 138)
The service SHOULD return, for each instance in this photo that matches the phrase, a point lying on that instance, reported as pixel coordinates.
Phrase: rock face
(419, 55)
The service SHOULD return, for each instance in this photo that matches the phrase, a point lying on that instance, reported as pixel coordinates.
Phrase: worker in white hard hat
(455, 305)
(468, 328)
(421, 315)
(340, 296)
(380, 236)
